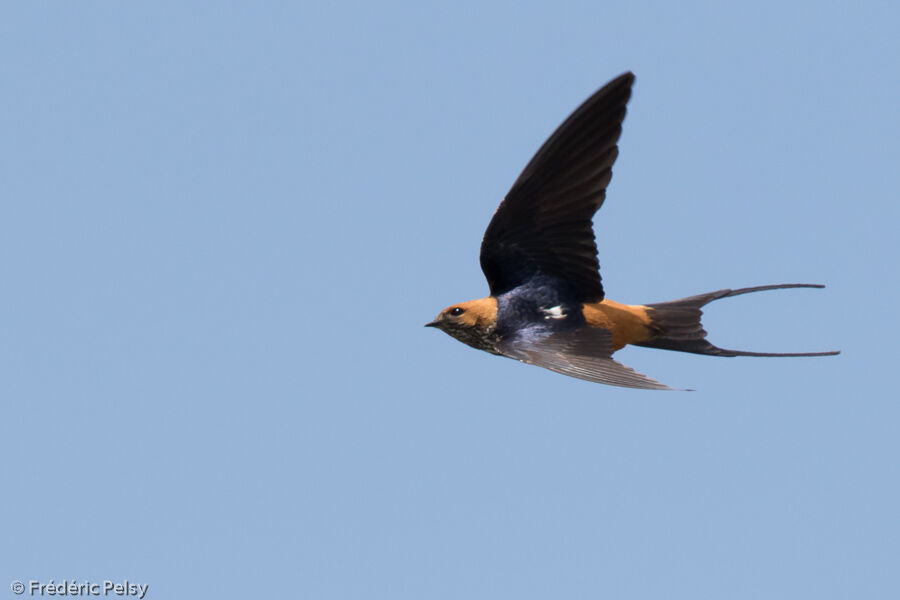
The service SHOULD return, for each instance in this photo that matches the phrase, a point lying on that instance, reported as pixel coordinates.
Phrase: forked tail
(677, 324)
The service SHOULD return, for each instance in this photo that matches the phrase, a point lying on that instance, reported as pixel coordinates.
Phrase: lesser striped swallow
(546, 305)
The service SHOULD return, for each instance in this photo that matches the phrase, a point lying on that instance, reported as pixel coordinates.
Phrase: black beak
(432, 324)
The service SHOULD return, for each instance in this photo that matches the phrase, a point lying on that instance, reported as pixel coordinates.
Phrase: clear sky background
(224, 224)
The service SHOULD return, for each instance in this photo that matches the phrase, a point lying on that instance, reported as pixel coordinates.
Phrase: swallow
(547, 306)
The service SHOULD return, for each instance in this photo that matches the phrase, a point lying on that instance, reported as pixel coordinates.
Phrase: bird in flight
(546, 305)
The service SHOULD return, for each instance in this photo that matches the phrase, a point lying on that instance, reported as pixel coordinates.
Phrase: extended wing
(583, 353)
(544, 223)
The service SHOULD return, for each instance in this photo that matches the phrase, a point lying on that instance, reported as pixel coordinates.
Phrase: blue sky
(224, 225)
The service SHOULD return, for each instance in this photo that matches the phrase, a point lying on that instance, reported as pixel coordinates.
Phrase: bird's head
(471, 322)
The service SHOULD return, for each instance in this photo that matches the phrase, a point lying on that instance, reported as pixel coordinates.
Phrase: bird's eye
(455, 312)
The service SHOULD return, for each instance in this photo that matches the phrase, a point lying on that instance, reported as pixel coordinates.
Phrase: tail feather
(677, 323)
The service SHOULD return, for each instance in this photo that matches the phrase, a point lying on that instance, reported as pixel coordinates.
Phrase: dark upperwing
(544, 225)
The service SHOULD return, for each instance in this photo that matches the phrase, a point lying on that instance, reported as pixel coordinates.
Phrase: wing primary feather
(545, 223)
(584, 353)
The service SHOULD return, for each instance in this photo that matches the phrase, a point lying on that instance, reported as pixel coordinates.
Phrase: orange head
(471, 322)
